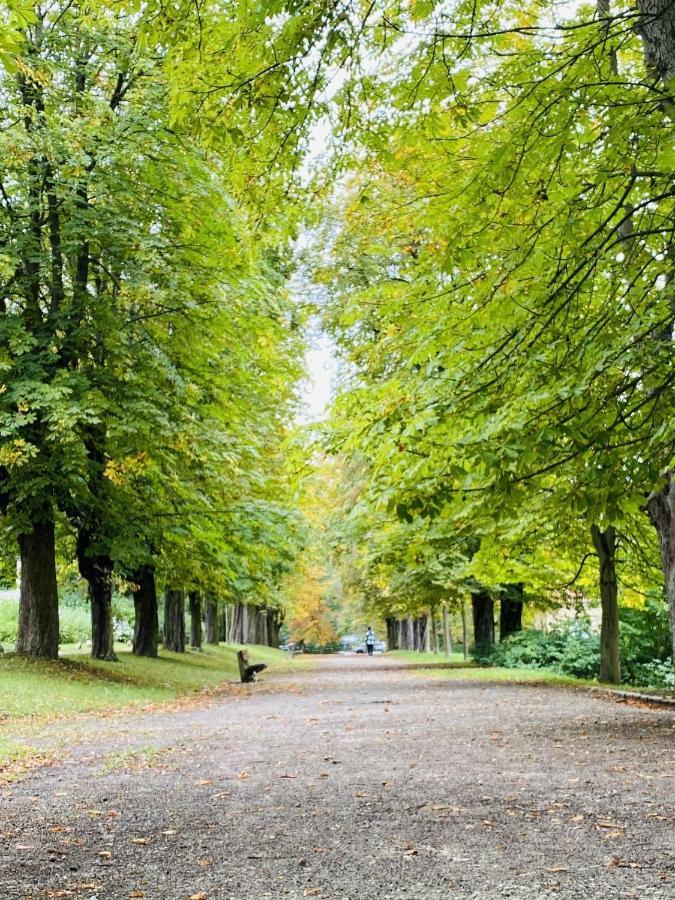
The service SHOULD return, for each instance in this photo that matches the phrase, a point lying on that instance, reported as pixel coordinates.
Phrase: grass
(77, 684)
(439, 659)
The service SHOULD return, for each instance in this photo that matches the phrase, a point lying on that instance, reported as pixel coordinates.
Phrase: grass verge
(76, 683)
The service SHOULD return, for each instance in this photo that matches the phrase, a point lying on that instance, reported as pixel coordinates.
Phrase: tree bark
(410, 633)
(146, 618)
(425, 633)
(657, 30)
(195, 604)
(97, 568)
(447, 645)
(174, 620)
(39, 602)
(211, 620)
(392, 634)
(661, 507)
(465, 648)
(434, 630)
(610, 657)
(656, 27)
(278, 616)
(483, 620)
(510, 611)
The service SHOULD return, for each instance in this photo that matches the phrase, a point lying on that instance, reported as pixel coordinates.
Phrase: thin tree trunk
(510, 610)
(410, 634)
(211, 620)
(610, 658)
(146, 618)
(425, 622)
(483, 620)
(465, 648)
(174, 620)
(434, 630)
(244, 624)
(39, 602)
(195, 604)
(226, 623)
(447, 645)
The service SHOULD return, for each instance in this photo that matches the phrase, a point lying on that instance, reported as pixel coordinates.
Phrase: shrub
(574, 649)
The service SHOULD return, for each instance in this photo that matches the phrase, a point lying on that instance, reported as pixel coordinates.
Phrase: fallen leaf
(603, 823)
(557, 869)
(287, 775)
(137, 894)
(106, 854)
(204, 781)
(243, 775)
(139, 840)
(361, 794)
(311, 892)
(202, 895)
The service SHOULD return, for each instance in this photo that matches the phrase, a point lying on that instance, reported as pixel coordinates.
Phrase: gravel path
(358, 780)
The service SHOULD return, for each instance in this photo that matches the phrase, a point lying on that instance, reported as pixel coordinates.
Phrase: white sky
(316, 391)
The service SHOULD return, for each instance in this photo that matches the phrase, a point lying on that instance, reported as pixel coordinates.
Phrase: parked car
(378, 647)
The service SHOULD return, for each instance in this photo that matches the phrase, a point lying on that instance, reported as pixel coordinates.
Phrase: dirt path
(360, 780)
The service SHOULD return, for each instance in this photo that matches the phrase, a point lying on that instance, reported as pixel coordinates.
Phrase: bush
(573, 649)
(570, 648)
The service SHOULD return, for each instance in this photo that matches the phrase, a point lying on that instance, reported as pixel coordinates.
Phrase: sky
(321, 368)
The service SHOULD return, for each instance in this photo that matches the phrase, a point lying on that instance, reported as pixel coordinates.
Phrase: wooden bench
(248, 672)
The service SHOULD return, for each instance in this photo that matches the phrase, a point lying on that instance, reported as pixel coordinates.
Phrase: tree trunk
(39, 604)
(100, 598)
(195, 604)
(146, 619)
(228, 620)
(610, 658)
(174, 620)
(392, 634)
(410, 634)
(97, 568)
(656, 27)
(483, 620)
(661, 507)
(434, 630)
(511, 610)
(447, 645)
(278, 616)
(465, 648)
(264, 628)
(211, 620)
(244, 624)
(425, 645)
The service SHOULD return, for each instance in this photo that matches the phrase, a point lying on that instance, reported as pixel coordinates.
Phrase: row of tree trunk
(423, 633)
(234, 623)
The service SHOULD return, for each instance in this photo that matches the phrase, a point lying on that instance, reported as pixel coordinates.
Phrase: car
(378, 647)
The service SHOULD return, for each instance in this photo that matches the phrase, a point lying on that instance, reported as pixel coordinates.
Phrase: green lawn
(34, 691)
(76, 683)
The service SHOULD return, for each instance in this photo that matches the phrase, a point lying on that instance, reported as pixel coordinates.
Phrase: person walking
(370, 640)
